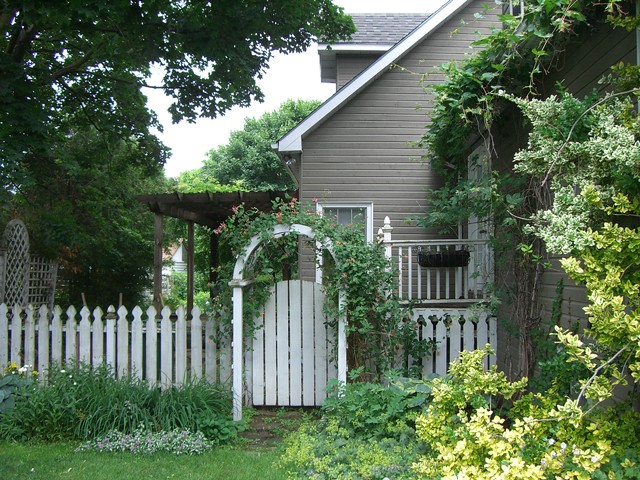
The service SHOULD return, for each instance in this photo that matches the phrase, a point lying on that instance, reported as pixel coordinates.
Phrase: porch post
(237, 355)
(386, 236)
(342, 340)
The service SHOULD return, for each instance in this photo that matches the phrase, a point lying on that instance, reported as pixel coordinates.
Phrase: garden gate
(291, 356)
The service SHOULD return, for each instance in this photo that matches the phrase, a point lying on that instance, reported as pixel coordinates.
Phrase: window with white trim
(346, 214)
(350, 214)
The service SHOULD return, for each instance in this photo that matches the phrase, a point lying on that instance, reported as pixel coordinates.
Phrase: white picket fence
(166, 351)
(172, 349)
(453, 330)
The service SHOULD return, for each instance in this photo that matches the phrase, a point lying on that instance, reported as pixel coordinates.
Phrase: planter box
(452, 258)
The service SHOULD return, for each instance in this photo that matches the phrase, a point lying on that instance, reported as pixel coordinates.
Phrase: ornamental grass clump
(79, 402)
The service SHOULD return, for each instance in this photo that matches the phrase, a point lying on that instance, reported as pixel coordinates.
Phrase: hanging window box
(444, 258)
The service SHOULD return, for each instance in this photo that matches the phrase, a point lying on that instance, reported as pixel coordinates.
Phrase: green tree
(86, 61)
(82, 210)
(248, 157)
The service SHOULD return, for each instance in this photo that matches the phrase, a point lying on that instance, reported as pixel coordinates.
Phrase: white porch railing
(439, 283)
(166, 351)
(448, 297)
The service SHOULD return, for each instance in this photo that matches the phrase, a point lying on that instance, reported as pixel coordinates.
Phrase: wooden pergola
(207, 209)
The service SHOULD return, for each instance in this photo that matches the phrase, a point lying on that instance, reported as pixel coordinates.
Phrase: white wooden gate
(293, 351)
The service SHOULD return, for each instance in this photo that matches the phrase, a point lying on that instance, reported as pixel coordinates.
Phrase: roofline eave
(291, 142)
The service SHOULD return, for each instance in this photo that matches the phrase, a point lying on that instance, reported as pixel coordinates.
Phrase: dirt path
(267, 426)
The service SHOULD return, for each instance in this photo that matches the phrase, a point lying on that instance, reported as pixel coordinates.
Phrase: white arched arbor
(239, 282)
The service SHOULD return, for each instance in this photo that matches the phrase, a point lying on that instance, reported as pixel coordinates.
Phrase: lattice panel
(42, 282)
(16, 268)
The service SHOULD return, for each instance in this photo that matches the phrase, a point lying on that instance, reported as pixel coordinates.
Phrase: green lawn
(58, 461)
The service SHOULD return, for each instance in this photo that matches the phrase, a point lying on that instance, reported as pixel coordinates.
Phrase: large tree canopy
(75, 132)
(88, 60)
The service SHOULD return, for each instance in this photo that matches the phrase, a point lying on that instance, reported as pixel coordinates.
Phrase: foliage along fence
(166, 351)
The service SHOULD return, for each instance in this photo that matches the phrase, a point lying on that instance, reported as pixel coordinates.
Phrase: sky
(294, 76)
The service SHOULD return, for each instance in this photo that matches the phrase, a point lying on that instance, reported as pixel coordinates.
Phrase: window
(346, 214)
(513, 7)
(351, 214)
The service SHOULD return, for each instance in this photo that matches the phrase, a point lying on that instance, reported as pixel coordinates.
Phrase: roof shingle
(384, 28)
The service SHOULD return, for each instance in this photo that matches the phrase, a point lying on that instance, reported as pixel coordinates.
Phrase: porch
(448, 282)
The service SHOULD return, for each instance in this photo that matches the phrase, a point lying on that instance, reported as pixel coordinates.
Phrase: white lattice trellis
(24, 279)
(16, 264)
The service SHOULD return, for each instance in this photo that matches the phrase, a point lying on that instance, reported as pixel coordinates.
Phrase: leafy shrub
(541, 436)
(367, 431)
(219, 429)
(325, 450)
(13, 384)
(79, 402)
(375, 410)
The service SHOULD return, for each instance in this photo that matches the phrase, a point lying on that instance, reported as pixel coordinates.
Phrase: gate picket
(308, 326)
(270, 351)
(282, 342)
(295, 343)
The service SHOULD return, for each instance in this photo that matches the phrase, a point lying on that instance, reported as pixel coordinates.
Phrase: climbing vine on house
(580, 182)
(378, 325)
(474, 102)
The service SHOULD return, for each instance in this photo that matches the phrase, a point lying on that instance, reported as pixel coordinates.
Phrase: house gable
(365, 150)
(375, 34)
(291, 143)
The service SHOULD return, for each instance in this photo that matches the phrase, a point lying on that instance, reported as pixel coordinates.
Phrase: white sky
(294, 76)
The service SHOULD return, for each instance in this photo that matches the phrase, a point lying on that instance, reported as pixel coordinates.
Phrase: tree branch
(73, 66)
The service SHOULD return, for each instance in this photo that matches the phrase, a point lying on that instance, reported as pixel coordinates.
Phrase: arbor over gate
(291, 354)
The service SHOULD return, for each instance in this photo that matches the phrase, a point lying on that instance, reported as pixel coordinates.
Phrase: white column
(385, 231)
(237, 353)
(342, 340)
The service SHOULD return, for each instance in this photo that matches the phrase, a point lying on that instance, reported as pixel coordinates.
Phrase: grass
(51, 461)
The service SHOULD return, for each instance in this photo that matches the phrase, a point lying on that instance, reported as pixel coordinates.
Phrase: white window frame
(368, 206)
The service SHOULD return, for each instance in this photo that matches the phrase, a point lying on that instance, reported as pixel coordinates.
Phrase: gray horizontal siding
(350, 65)
(364, 151)
(590, 58)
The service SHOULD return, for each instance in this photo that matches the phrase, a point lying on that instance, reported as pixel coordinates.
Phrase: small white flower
(563, 446)
(577, 451)
(594, 459)
(63, 371)
(551, 441)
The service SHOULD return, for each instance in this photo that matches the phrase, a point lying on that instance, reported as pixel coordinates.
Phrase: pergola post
(190, 267)
(157, 262)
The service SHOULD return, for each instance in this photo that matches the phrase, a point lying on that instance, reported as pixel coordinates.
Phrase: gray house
(356, 155)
